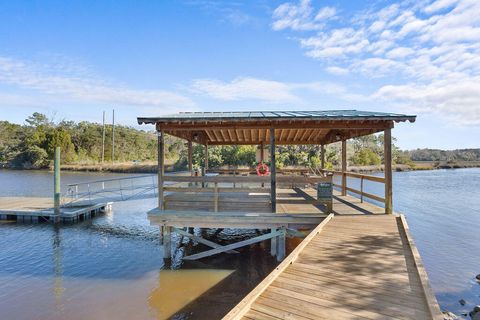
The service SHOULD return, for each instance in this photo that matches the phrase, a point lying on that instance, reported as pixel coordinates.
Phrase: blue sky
(74, 59)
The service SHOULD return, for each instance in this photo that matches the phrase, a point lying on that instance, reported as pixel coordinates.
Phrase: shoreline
(129, 168)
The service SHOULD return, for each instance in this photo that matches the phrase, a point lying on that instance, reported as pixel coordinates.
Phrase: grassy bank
(125, 167)
(151, 167)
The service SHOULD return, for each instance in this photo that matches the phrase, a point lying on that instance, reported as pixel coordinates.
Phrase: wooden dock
(349, 267)
(37, 209)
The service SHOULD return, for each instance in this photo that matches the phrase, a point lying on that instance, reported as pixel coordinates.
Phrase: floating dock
(349, 267)
(35, 210)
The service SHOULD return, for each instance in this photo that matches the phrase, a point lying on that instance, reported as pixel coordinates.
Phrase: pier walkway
(349, 267)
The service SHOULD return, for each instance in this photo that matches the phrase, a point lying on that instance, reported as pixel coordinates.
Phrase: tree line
(32, 146)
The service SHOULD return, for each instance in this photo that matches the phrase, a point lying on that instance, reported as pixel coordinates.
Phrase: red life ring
(262, 169)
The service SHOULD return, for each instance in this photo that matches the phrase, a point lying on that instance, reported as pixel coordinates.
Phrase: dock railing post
(387, 156)
(361, 189)
(161, 159)
(273, 172)
(215, 197)
(56, 183)
(344, 167)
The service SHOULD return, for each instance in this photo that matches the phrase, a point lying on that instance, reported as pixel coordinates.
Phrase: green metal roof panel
(279, 115)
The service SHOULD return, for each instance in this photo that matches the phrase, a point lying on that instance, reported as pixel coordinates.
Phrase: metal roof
(279, 115)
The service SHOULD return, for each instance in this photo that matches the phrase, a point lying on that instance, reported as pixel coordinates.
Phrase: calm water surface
(111, 267)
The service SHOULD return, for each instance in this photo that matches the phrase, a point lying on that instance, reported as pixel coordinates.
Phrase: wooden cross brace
(219, 248)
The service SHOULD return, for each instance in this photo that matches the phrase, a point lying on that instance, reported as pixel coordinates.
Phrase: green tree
(59, 137)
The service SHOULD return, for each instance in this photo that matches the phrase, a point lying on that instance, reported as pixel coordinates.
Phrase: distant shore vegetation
(32, 145)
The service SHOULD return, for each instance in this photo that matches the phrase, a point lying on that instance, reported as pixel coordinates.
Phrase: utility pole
(103, 138)
(113, 136)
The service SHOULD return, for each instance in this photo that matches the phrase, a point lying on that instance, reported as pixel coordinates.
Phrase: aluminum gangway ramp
(348, 267)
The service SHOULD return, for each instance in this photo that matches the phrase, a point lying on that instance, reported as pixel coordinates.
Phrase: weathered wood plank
(351, 270)
(242, 307)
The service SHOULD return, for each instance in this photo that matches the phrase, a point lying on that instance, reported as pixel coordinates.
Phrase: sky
(72, 60)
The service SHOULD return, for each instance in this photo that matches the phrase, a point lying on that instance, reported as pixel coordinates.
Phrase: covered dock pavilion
(359, 256)
(271, 129)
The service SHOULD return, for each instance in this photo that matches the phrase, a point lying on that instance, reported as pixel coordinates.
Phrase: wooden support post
(56, 182)
(361, 189)
(281, 245)
(262, 152)
(273, 244)
(206, 157)
(190, 157)
(344, 167)
(387, 155)
(262, 156)
(273, 172)
(167, 242)
(161, 169)
(322, 156)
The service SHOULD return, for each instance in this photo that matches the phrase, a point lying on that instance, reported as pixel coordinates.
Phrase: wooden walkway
(349, 267)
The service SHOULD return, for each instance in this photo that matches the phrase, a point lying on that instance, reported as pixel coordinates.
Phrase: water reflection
(58, 288)
(178, 288)
(111, 267)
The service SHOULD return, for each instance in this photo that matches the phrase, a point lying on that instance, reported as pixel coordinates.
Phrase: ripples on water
(111, 266)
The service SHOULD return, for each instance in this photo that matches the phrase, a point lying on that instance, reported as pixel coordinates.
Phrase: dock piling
(56, 183)
(273, 244)
(167, 247)
(281, 245)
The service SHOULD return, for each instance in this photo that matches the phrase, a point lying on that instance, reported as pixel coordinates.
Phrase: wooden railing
(359, 192)
(237, 171)
(233, 184)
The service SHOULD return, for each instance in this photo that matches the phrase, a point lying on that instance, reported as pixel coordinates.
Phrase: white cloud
(439, 5)
(458, 102)
(338, 71)
(62, 82)
(325, 13)
(268, 91)
(301, 16)
(245, 89)
(426, 51)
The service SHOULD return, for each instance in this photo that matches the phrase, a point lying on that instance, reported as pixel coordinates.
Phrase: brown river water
(111, 267)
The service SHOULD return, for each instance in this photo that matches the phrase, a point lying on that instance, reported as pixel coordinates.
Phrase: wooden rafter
(230, 135)
(222, 132)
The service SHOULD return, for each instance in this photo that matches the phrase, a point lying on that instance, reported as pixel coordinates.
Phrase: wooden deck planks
(357, 267)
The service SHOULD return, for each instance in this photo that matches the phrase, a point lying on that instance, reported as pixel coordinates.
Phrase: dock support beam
(281, 245)
(387, 155)
(190, 157)
(161, 169)
(56, 182)
(206, 157)
(273, 244)
(322, 157)
(273, 172)
(344, 167)
(167, 242)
